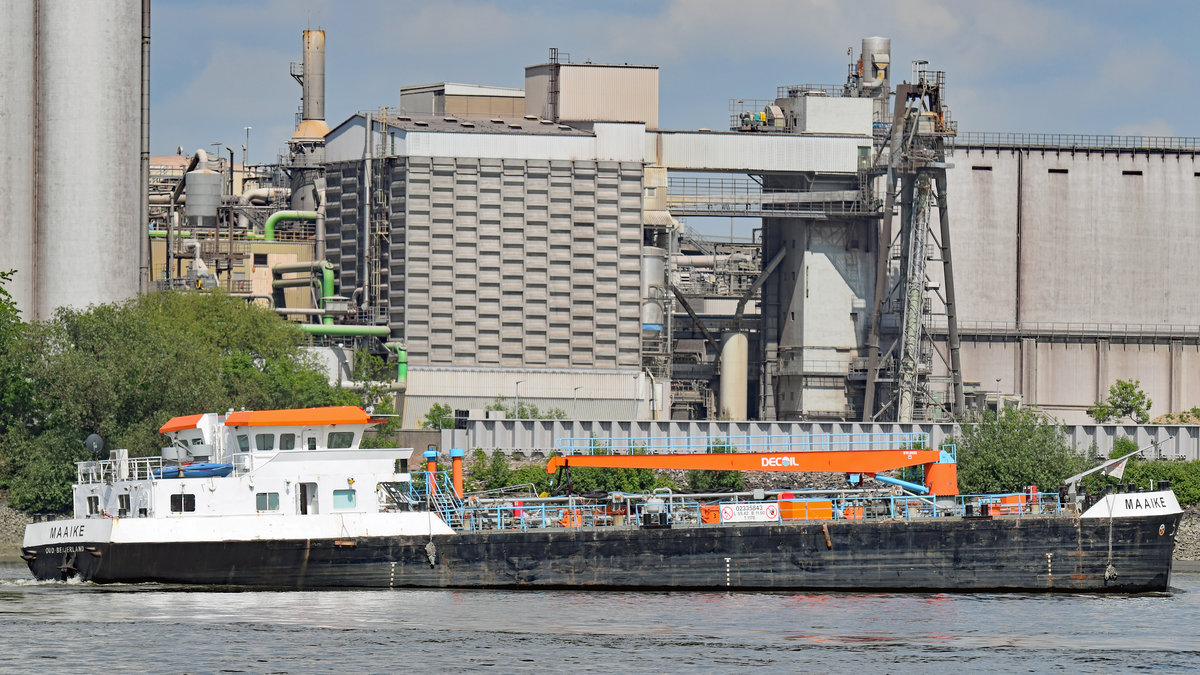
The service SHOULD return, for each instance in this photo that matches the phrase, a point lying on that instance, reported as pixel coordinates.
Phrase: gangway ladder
(447, 504)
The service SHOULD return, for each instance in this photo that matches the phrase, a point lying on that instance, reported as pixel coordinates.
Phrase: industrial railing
(109, 470)
(744, 197)
(1070, 329)
(1075, 141)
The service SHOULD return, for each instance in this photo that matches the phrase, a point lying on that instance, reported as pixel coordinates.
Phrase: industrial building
(533, 245)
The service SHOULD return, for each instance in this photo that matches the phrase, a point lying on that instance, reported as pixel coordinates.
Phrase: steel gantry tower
(912, 159)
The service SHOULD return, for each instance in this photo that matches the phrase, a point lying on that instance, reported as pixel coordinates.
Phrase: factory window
(260, 259)
(267, 501)
(981, 167)
(1131, 173)
(287, 441)
(339, 440)
(1057, 170)
(343, 499)
(264, 441)
(182, 503)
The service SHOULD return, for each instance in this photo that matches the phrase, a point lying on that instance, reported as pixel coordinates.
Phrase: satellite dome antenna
(95, 444)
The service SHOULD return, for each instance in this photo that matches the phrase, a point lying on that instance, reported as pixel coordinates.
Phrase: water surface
(155, 628)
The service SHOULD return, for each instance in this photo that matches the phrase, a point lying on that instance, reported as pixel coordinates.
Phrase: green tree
(1012, 451)
(1125, 399)
(371, 377)
(122, 370)
(13, 392)
(440, 416)
(525, 410)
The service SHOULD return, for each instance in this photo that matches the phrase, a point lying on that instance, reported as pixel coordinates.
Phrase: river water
(70, 627)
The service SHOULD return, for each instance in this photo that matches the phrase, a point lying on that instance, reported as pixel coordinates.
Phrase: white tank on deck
(735, 376)
(88, 176)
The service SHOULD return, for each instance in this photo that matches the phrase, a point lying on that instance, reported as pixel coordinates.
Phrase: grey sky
(1100, 67)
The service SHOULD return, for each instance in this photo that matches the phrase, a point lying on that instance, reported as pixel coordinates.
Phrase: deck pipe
(431, 456)
(911, 487)
(456, 466)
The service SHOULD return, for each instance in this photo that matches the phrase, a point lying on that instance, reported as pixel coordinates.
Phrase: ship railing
(1012, 504)
(110, 470)
(733, 443)
(630, 510)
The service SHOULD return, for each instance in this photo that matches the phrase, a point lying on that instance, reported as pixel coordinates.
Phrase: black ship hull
(1064, 554)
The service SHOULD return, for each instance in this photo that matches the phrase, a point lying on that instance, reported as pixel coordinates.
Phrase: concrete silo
(16, 162)
(87, 173)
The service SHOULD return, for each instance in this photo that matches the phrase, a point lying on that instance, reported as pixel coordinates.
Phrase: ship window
(122, 506)
(339, 440)
(267, 501)
(287, 441)
(243, 442)
(93, 505)
(343, 499)
(264, 441)
(183, 503)
(197, 441)
(312, 442)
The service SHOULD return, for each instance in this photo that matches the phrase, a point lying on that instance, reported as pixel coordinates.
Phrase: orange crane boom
(834, 461)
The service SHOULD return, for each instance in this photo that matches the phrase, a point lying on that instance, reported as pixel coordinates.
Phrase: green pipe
(269, 228)
(344, 330)
(326, 289)
(163, 233)
(401, 351)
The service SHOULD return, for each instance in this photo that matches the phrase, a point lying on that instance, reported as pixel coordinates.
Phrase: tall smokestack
(308, 143)
(312, 81)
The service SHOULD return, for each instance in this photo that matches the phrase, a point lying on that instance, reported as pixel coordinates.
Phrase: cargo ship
(290, 499)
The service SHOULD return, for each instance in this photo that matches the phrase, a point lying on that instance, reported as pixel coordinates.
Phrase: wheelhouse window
(264, 441)
(184, 503)
(287, 441)
(122, 505)
(93, 503)
(339, 440)
(343, 499)
(267, 501)
(243, 443)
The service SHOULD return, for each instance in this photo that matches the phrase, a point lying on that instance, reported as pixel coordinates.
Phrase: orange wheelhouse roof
(180, 423)
(344, 414)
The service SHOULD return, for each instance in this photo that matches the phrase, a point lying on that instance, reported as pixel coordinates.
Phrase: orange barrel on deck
(456, 466)
(431, 456)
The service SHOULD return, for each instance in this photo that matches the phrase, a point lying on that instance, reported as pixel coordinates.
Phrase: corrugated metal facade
(608, 93)
(589, 92)
(585, 393)
(701, 151)
(506, 263)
